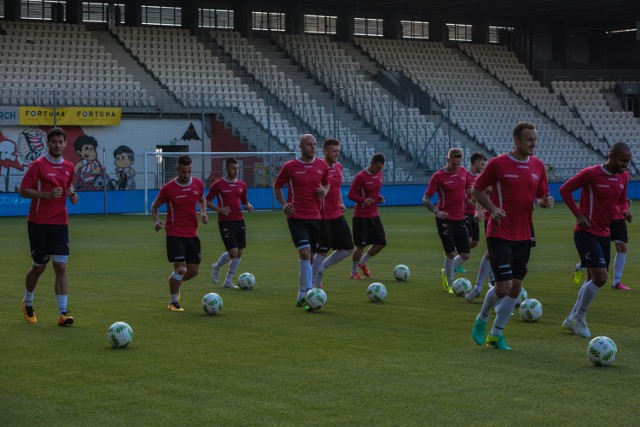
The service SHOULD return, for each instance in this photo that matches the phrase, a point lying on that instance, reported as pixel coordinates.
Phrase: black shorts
(368, 231)
(509, 259)
(473, 228)
(233, 233)
(334, 234)
(183, 249)
(47, 240)
(304, 232)
(594, 251)
(618, 228)
(533, 237)
(453, 235)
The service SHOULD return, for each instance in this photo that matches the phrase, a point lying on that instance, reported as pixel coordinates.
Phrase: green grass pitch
(262, 361)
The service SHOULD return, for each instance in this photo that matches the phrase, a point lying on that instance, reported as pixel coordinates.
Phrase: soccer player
(231, 194)
(619, 237)
(181, 227)
(334, 230)
(308, 180)
(367, 226)
(517, 179)
(451, 183)
(48, 183)
(604, 189)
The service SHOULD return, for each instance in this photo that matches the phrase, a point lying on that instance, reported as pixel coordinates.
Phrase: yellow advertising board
(70, 116)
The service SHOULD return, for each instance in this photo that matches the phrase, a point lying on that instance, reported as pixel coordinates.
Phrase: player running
(517, 179)
(308, 180)
(231, 195)
(367, 226)
(334, 230)
(48, 183)
(451, 183)
(181, 227)
(604, 189)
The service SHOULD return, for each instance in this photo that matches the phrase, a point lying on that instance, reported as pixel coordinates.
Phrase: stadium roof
(606, 14)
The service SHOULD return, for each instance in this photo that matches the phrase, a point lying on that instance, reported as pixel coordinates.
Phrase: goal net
(257, 169)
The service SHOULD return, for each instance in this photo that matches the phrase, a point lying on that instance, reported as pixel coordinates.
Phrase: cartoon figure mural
(123, 159)
(15, 157)
(8, 162)
(32, 144)
(89, 171)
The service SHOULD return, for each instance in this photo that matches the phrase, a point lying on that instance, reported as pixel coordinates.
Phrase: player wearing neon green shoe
(517, 179)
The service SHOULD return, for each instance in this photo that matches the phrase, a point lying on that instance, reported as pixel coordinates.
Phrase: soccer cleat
(472, 295)
(64, 319)
(568, 325)
(356, 276)
(621, 287)
(230, 285)
(302, 302)
(577, 275)
(215, 270)
(29, 315)
(580, 328)
(365, 270)
(478, 332)
(498, 342)
(460, 269)
(174, 306)
(445, 282)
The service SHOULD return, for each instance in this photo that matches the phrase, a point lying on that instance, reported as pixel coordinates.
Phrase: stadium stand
(77, 72)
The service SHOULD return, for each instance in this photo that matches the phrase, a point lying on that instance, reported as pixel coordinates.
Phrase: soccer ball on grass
(462, 286)
(246, 281)
(120, 335)
(376, 292)
(316, 298)
(531, 310)
(602, 351)
(212, 303)
(401, 272)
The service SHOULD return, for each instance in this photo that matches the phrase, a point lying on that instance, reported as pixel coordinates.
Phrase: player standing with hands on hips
(48, 183)
(181, 195)
(518, 179)
(308, 180)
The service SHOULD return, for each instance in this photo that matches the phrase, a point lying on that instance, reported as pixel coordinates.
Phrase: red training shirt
(231, 194)
(451, 188)
(181, 200)
(303, 179)
(330, 207)
(365, 185)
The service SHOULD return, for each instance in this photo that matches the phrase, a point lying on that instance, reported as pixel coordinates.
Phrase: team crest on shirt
(535, 176)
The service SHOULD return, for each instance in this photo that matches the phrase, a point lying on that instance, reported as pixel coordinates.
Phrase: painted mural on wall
(103, 156)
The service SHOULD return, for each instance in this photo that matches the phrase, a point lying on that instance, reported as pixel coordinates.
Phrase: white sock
(491, 299)
(458, 261)
(618, 266)
(224, 258)
(574, 310)
(305, 274)
(334, 258)
(174, 298)
(483, 273)
(503, 314)
(448, 269)
(589, 293)
(233, 267)
(317, 263)
(28, 298)
(62, 303)
(579, 266)
(354, 267)
(365, 258)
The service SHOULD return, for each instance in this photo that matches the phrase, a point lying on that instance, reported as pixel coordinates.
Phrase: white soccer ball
(246, 281)
(120, 335)
(316, 298)
(602, 351)
(531, 310)
(401, 272)
(524, 295)
(376, 292)
(462, 286)
(212, 303)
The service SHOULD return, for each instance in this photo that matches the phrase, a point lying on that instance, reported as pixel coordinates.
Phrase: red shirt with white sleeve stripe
(303, 179)
(181, 200)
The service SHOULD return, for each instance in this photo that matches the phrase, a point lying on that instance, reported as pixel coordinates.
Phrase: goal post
(257, 169)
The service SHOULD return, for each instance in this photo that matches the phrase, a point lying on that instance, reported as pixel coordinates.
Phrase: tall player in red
(604, 189)
(334, 230)
(231, 195)
(48, 183)
(518, 179)
(181, 195)
(308, 180)
(367, 226)
(451, 183)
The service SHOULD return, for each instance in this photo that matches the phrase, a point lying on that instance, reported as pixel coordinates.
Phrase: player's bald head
(307, 137)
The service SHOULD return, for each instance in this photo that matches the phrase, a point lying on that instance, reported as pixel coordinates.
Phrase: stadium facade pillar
(294, 23)
(437, 30)
(190, 16)
(133, 13)
(479, 32)
(12, 10)
(74, 11)
(242, 19)
(344, 26)
(391, 27)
